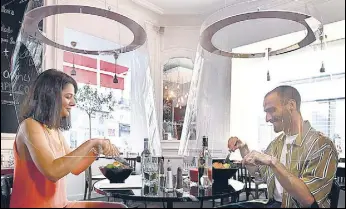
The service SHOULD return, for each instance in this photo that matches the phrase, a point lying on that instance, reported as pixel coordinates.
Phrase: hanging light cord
(116, 56)
(267, 57)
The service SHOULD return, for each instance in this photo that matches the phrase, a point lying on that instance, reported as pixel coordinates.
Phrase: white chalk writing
(21, 89)
(7, 11)
(6, 52)
(6, 87)
(17, 77)
(10, 41)
(5, 102)
(22, 78)
(6, 74)
(6, 29)
(22, 1)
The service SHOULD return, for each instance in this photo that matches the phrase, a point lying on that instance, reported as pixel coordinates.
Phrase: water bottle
(161, 174)
(138, 168)
(145, 160)
(169, 178)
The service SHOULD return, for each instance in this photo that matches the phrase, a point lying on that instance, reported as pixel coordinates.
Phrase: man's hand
(255, 158)
(234, 143)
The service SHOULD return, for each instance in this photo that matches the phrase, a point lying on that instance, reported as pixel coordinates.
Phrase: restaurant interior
(168, 83)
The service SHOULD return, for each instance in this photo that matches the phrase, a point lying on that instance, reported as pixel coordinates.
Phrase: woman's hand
(106, 148)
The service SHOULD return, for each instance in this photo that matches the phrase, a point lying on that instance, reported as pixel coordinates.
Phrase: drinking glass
(189, 162)
(151, 168)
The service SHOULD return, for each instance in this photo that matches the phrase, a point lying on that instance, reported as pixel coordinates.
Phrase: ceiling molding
(146, 4)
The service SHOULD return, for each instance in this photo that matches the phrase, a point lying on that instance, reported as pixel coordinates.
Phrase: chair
(6, 190)
(251, 186)
(90, 180)
(132, 161)
(333, 196)
(241, 174)
(340, 175)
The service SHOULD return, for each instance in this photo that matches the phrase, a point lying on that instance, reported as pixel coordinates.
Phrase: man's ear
(292, 105)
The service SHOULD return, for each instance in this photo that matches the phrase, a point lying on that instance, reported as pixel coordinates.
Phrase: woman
(42, 156)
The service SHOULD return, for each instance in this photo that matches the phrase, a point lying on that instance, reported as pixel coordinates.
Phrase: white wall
(249, 83)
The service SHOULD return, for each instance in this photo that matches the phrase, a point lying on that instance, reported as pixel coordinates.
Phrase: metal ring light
(33, 17)
(303, 19)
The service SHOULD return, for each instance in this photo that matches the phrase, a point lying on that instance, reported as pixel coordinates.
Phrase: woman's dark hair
(43, 102)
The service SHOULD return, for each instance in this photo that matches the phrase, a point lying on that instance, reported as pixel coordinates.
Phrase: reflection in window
(176, 86)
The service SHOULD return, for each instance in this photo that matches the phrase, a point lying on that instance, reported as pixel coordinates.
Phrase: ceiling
(326, 11)
(210, 11)
(180, 12)
(205, 7)
(184, 6)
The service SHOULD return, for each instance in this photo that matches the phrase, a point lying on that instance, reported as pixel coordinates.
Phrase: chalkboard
(18, 69)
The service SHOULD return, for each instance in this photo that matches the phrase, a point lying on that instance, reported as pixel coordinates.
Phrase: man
(299, 165)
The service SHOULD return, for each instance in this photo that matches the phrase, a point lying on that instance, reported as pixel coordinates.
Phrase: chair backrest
(242, 174)
(334, 194)
(6, 186)
(340, 175)
(131, 161)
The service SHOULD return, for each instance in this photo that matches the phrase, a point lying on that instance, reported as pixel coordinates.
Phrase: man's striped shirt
(312, 157)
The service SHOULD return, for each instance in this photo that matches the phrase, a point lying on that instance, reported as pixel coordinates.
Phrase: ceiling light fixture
(35, 16)
(73, 71)
(267, 53)
(307, 21)
(116, 56)
(322, 38)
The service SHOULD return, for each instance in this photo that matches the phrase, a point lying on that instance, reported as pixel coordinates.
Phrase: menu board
(18, 68)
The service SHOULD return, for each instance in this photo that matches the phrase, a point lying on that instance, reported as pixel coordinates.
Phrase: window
(324, 106)
(322, 93)
(328, 117)
(98, 72)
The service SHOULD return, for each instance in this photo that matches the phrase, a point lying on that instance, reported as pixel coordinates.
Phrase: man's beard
(283, 123)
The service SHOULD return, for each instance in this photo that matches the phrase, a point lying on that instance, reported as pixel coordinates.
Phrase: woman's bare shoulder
(30, 122)
(29, 127)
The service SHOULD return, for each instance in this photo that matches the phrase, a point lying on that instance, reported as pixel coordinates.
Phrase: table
(6, 171)
(133, 189)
